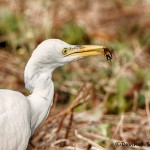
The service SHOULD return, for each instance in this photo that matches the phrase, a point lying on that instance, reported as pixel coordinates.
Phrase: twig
(60, 124)
(83, 96)
(119, 125)
(73, 148)
(60, 141)
(55, 101)
(113, 140)
(69, 126)
(88, 140)
(147, 109)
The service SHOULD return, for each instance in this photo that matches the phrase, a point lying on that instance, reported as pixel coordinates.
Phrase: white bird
(21, 115)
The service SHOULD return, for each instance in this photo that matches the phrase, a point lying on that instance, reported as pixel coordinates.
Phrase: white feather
(15, 113)
(20, 115)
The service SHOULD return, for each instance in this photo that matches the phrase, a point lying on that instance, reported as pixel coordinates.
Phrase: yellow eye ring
(65, 51)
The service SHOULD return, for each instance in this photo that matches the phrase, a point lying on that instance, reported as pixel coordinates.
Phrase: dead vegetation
(97, 103)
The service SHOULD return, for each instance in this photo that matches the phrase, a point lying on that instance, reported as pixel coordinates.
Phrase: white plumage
(20, 115)
(15, 116)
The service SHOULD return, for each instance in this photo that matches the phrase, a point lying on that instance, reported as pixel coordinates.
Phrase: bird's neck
(41, 97)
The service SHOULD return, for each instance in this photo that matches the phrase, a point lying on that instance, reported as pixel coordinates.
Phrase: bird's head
(53, 53)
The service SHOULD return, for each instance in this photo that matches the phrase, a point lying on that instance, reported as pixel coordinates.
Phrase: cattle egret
(21, 115)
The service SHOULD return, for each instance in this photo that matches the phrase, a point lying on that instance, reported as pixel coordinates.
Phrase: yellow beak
(90, 50)
(87, 50)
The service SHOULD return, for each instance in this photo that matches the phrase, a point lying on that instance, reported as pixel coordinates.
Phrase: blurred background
(118, 107)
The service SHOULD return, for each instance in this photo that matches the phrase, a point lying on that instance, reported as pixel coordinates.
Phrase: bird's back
(14, 120)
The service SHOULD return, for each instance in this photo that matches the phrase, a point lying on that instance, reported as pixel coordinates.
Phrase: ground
(98, 104)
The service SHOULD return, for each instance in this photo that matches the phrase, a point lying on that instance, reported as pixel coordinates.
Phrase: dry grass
(65, 131)
(101, 102)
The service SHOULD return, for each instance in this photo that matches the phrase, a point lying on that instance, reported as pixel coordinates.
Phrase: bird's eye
(64, 51)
